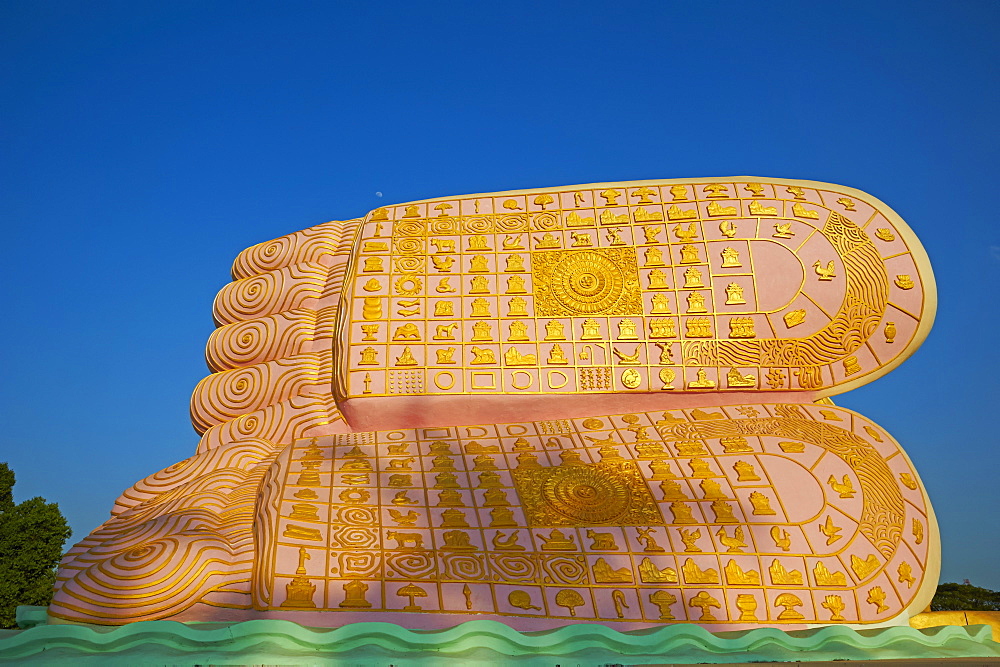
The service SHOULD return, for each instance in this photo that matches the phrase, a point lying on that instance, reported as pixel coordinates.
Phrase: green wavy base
(270, 641)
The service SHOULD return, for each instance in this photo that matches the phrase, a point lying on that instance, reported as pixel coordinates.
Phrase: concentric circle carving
(587, 283)
(586, 495)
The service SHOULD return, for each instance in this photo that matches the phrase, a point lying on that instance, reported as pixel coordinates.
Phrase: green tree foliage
(32, 534)
(964, 597)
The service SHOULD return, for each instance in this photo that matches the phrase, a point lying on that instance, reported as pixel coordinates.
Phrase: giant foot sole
(339, 476)
(785, 514)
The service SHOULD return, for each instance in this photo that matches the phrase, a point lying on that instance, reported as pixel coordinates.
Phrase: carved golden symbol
(696, 303)
(408, 284)
(689, 539)
(546, 242)
(642, 215)
(369, 357)
(775, 378)
(520, 360)
(408, 307)
(372, 309)
(783, 577)
(876, 596)
(478, 264)
(800, 211)
(783, 230)
(611, 196)
(702, 382)
(675, 212)
(354, 595)
(689, 254)
(735, 379)
(406, 358)
(905, 573)
(825, 273)
(651, 232)
(735, 543)
(851, 366)
(830, 531)
(692, 278)
(663, 600)
(716, 209)
(781, 538)
(705, 602)
(756, 208)
(517, 331)
(788, 601)
(826, 578)
(865, 567)
(569, 599)
(411, 591)
(628, 359)
(730, 258)
(747, 604)
(844, 488)
(407, 332)
(587, 282)
(300, 590)
(667, 376)
(407, 519)
(657, 279)
(521, 600)
(512, 242)
(542, 200)
(761, 504)
(834, 604)
(793, 318)
(904, 282)
(885, 234)
(736, 576)
(631, 378)
(442, 264)
(605, 574)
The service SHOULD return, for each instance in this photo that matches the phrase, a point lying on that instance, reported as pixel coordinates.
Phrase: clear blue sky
(145, 144)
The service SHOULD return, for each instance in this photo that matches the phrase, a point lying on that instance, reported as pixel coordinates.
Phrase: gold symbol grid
(623, 289)
(618, 510)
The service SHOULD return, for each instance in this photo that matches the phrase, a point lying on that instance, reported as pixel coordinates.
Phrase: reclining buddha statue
(605, 403)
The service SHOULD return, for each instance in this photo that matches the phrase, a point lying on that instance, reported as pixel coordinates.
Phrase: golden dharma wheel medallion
(602, 281)
(586, 495)
(587, 283)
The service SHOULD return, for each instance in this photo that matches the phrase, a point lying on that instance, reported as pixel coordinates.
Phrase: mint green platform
(474, 642)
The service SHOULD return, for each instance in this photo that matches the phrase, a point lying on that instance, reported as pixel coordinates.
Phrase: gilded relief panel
(742, 514)
(644, 287)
